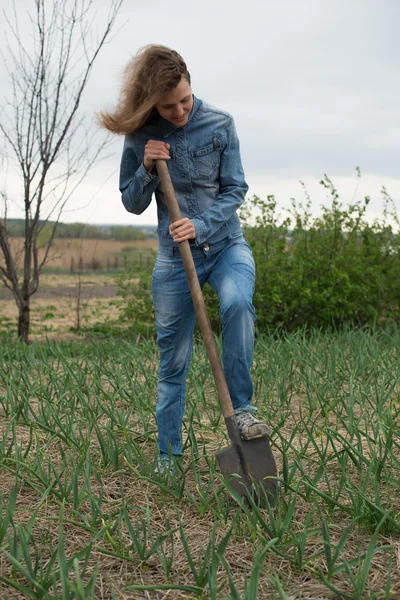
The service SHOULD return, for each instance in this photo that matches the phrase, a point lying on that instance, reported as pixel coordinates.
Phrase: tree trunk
(24, 321)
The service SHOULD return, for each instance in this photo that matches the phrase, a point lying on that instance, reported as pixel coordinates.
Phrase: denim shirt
(205, 168)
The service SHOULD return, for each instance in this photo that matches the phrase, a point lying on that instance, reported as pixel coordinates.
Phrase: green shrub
(329, 271)
(134, 287)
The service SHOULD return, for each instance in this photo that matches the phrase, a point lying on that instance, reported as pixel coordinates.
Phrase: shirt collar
(168, 128)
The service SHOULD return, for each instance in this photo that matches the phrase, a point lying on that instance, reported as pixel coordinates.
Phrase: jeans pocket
(163, 269)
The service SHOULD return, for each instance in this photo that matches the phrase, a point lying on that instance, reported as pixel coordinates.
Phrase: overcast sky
(313, 85)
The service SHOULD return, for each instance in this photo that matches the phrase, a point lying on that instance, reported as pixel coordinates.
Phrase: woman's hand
(182, 230)
(153, 151)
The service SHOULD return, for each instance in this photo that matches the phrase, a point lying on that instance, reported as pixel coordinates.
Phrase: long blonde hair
(154, 71)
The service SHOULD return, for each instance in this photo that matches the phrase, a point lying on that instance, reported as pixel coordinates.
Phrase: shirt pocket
(206, 159)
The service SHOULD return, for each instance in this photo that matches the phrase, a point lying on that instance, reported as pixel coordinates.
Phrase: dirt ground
(65, 254)
(55, 308)
(99, 291)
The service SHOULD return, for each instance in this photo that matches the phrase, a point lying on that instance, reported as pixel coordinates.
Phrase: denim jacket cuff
(201, 231)
(146, 177)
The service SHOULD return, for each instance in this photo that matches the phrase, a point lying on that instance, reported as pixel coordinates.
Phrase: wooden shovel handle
(197, 295)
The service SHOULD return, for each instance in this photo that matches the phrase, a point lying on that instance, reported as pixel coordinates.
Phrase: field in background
(80, 275)
(94, 254)
(83, 515)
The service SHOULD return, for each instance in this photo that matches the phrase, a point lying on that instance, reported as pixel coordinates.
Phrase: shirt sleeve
(233, 189)
(135, 183)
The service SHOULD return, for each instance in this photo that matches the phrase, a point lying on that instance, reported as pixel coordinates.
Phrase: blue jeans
(228, 266)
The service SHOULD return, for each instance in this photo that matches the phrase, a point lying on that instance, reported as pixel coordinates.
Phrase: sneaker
(250, 427)
(164, 466)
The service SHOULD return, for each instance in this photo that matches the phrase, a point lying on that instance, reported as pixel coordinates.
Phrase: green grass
(82, 514)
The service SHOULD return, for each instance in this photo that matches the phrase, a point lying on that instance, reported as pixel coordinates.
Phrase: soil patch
(51, 292)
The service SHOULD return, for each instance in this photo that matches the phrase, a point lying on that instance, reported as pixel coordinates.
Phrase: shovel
(248, 465)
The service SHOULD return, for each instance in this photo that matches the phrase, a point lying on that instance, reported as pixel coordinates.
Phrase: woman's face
(175, 106)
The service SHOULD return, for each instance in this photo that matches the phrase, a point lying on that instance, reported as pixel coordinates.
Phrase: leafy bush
(134, 287)
(328, 271)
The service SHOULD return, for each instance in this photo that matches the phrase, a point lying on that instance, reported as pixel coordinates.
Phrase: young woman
(162, 119)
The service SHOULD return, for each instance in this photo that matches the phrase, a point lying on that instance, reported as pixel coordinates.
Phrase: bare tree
(44, 133)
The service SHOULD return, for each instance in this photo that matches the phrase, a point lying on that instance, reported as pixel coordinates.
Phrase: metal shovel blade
(253, 480)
